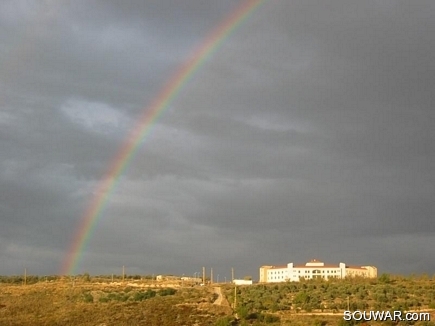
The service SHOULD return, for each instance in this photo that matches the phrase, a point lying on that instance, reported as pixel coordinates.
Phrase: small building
(242, 282)
(167, 278)
(191, 279)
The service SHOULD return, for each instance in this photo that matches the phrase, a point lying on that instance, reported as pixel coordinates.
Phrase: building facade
(242, 282)
(312, 270)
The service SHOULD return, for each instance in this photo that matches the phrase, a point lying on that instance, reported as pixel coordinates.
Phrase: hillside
(95, 303)
(100, 301)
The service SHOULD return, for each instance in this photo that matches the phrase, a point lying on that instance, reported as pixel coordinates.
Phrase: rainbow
(144, 127)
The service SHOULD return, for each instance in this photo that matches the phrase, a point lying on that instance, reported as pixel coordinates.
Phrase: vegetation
(82, 302)
(323, 302)
(96, 300)
(32, 279)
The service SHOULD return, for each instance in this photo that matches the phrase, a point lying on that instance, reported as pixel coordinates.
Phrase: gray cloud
(309, 133)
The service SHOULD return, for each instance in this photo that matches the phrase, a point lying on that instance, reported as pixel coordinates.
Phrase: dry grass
(61, 303)
(142, 302)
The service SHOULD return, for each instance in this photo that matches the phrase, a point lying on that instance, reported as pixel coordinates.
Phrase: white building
(242, 282)
(311, 270)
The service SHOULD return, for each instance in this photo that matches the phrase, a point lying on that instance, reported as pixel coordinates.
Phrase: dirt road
(221, 300)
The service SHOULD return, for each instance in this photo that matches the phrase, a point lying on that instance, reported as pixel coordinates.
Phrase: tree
(384, 278)
(86, 277)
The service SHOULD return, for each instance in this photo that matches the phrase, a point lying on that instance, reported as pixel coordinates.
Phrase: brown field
(104, 304)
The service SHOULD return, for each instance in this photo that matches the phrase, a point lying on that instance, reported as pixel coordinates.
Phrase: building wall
(242, 282)
(263, 273)
(363, 271)
(372, 271)
(277, 274)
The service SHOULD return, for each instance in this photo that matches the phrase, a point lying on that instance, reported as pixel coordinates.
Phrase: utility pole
(232, 274)
(25, 276)
(203, 275)
(211, 275)
(123, 273)
(235, 297)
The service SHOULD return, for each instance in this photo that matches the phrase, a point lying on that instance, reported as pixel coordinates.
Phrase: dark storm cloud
(309, 133)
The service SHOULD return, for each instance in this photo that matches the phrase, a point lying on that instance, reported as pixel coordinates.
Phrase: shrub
(140, 296)
(168, 291)
(384, 278)
(86, 277)
(252, 315)
(225, 321)
(87, 297)
(267, 318)
(242, 311)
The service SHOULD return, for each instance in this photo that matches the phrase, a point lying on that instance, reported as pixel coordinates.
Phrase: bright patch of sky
(6, 118)
(95, 117)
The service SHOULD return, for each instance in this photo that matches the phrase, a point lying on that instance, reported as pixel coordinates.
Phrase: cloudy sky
(308, 134)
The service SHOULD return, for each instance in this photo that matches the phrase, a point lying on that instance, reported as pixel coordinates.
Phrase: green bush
(87, 297)
(384, 278)
(242, 312)
(86, 277)
(267, 318)
(224, 321)
(140, 296)
(252, 315)
(168, 291)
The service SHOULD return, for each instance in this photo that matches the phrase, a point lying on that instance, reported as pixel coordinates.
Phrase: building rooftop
(313, 263)
(356, 267)
(279, 267)
(317, 266)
